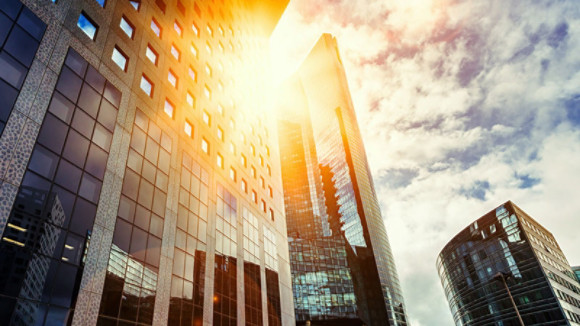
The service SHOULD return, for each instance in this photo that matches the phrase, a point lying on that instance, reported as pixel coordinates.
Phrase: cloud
(466, 104)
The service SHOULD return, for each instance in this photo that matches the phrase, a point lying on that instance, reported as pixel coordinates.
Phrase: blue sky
(466, 104)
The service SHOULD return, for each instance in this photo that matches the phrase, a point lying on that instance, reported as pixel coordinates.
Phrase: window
(232, 148)
(220, 160)
(192, 74)
(169, 108)
(264, 206)
(220, 109)
(232, 123)
(119, 58)
(244, 161)
(193, 50)
(253, 171)
(272, 214)
(262, 182)
(155, 27)
(253, 149)
(220, 133)
(208, 48)
(135, 4)
(233, 174)
(269, 170)
(221, 47)
(146, 85)
(270, 192)
(195, 29)
(188, 128)
(177, 28)
(209, 30)
(204, 146)
(127, 27)
(151, 54)
(172, 78)
(261, 160)
(100, 2)
(208, 69)
(87, 25)
(220, 86)
(207, 92)
(206, 118)
(161, 5)
(190, 99)
(175, 52)
(254, 196)
(267, 150)
(244, 186)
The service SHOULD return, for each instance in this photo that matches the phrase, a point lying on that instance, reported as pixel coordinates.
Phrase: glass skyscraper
(342, 268)
(139, 183)
(507, 255)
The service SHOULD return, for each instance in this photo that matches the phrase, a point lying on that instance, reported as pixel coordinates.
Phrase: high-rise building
(139, 171)
(506, 263)
(343, 272)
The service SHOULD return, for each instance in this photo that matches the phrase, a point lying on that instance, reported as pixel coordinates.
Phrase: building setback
(140, 176)
(507, 244)
(343, 271)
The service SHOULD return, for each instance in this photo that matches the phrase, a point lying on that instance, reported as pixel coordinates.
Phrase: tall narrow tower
(316, 110)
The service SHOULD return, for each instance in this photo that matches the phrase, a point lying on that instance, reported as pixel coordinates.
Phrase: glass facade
(331, 206)
(121, 177)
(507, 245)
(576, 270)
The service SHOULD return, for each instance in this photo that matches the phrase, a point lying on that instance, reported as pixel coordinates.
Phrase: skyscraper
(506, 263)
(139, 183)
(342, 267)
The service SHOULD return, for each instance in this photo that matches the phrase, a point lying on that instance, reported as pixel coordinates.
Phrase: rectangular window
(264, 206)
(155, 27)
(204, 146)
(169, 108)
(233, 174)
(192, 74)
(221, 47)
(87, 25)
(177, 28)
(269, 170)
(253, 149)
(172, 78)
(243, 160)
(272, 214)
(220, 133)
(206, 118)
(175, 52)
(208, 69)
(146, 85)
(261, 160)
(193, 50)
(244, 186)
(195, 29)
(232, 123)
(127, 27)
(135, 4)
(262, 182)
(232, 148)
(100, 2)
(188, 128)
(119, 58)
(209, 30)
(270, 192)
(208, 47)
(190, 99)
(267, 149)
(161, 5)
(220, 109)
(254, 197)
(220, 160)
(151, 54)
(253, 172)
(207, 92)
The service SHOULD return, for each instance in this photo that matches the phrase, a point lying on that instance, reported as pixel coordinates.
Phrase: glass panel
(21, 46)
(119, 58)
(76, 148)
(127, 27)
(87, 26)
(12, 71)
(61, 107)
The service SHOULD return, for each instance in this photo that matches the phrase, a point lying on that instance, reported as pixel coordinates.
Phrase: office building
(506, 255)
(343, 272)
(139, 171)
(576, 270)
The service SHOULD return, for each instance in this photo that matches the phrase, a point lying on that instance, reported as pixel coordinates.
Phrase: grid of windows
(188, 279)
(49, 229)
(19, 42)
(139, 227)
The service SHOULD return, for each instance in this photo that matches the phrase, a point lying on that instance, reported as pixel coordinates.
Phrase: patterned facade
(139, 180)
(536, 272)
(342, 266)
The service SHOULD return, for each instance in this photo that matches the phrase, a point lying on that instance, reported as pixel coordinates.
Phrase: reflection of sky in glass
(135, 4)
(151, 55)
(155, 28)
(85, 24)
(101, 3)
(146, 86)
(119, 59)
(126, 27)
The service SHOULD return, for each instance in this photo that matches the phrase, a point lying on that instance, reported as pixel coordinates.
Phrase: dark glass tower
(342, 267)
(506, 249)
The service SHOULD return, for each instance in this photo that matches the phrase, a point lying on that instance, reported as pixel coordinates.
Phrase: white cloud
(461, 101)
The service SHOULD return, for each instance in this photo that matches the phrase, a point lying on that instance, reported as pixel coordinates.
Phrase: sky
(463, 105)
